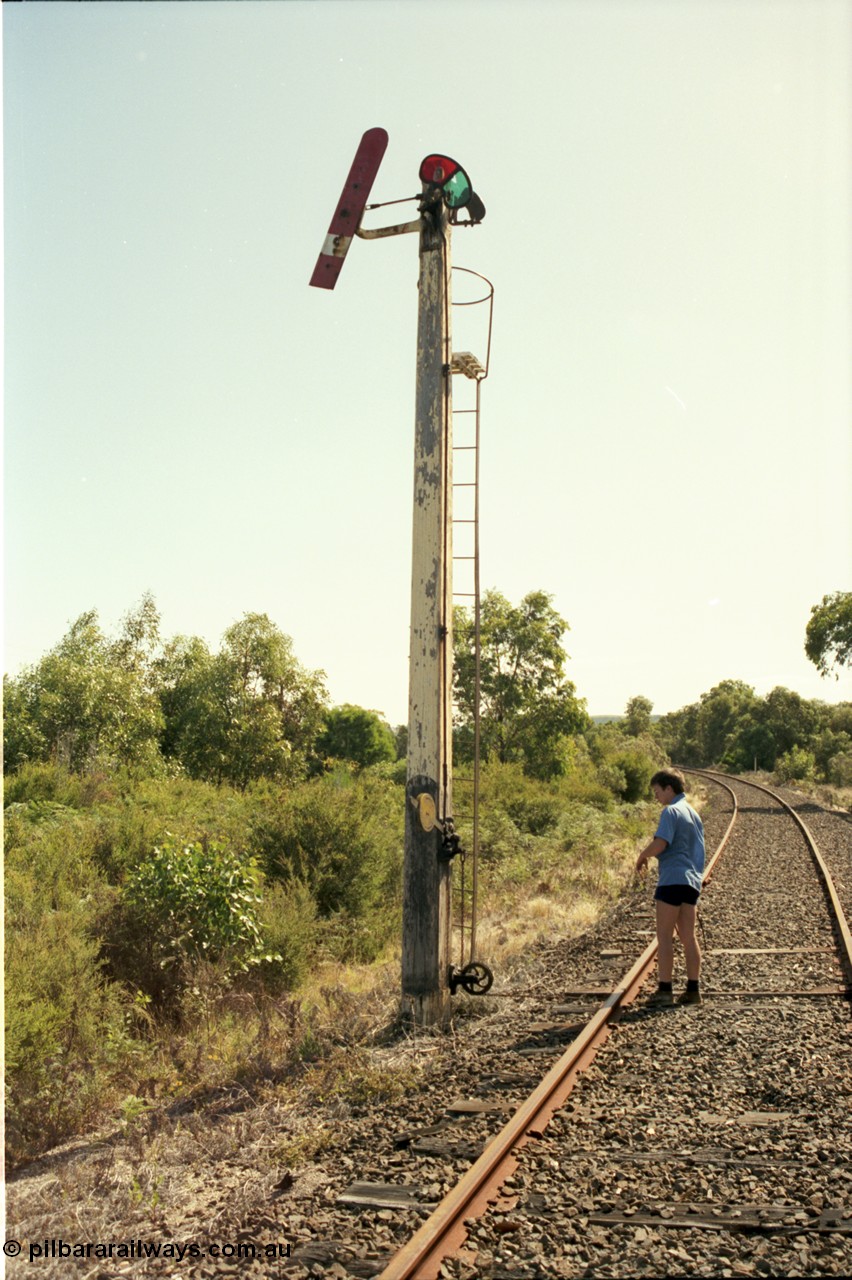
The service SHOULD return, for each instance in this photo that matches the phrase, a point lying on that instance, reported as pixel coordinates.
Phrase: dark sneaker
(660, 1000)
(689, 997)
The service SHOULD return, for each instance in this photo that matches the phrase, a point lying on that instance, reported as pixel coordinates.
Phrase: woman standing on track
(679, 845)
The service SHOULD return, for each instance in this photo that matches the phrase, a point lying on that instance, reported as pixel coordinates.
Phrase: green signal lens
(457, 190)
(446, 173)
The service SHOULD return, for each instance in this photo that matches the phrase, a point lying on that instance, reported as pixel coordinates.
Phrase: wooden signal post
(430, 841)
(427, 871)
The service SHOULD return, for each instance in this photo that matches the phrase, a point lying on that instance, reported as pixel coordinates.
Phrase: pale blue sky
(666, 427)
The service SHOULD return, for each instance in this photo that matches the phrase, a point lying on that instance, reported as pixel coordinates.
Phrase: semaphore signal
(350, 208)
(447, 199)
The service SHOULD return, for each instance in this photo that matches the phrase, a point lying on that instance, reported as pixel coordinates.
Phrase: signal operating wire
(383, 204)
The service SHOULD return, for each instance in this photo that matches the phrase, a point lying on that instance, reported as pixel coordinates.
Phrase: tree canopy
(528, 706)
(87, 699)
(733, 727)
(249, 711)
(353, 733)
(828, 635)
(637, 716)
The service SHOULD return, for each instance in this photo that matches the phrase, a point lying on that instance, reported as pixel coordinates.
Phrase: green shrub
(637, 769)
(624, 764)
(142, 813)
(584, 789)
(198, 903)
(840, 769)
(396, 771)
(53, 782)
(582, 826)
(532, 805)
(796, 765)
(499, 838)
(342, 837)
(353, 733)
(288, 922)
(66, 1036)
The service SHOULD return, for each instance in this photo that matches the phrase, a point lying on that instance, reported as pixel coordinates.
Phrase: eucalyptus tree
(83, 703)
(249, 711)
(828, 635)
(527, 703)
(356, 734)
(637, 716)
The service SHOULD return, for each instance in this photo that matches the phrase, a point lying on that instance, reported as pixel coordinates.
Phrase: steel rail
(444, 1230)
(828, 883)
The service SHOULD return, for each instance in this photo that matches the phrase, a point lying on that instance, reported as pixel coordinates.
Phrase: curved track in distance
(783, 907)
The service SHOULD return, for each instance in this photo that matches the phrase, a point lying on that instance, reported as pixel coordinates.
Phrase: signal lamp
(443, 172)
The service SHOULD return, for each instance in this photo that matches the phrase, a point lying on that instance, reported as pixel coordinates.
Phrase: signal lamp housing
(456, 189)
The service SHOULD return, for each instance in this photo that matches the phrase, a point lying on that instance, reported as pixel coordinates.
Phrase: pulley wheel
(476, 978)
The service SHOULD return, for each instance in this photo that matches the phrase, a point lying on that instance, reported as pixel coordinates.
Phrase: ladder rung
(472, 594)
(464, 484)
(464, 447)
(464, 557)
(455, 411)
(464, 522)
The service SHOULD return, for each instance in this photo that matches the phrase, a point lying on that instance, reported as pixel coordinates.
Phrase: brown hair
(670, 778)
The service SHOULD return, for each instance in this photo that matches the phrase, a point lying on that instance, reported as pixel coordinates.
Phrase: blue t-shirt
(682, 862)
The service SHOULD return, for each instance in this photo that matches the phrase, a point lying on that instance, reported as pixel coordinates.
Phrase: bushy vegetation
(732, 727)
(159, 928)
(191, 835)
(828, 635)
(197, 903)
(138, 908)
(529, 708)
(66, 1031)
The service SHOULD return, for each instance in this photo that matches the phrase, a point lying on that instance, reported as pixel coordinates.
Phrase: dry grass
(176, 1170)
(827, 795)
(514, 918)
(256, 1085)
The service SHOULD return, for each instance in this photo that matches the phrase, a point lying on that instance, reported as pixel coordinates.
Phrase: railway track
(703, 1140)
(698, 1131)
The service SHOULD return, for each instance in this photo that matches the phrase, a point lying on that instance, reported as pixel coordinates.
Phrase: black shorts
(677, 894)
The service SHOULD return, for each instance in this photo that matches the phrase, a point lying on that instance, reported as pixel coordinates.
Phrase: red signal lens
(436, 169)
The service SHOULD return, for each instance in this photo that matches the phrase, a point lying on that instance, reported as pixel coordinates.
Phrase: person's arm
(653, 850)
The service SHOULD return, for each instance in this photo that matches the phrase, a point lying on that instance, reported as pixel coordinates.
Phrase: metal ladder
(465, 521)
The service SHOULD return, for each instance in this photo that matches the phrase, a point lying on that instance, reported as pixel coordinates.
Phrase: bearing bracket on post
(429, 820)
(450, 841)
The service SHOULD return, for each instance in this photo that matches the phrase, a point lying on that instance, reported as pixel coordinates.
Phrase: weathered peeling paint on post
(426, 882)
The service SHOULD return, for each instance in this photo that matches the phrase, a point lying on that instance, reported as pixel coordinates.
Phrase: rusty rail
(444, 1231)
(828, 883)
